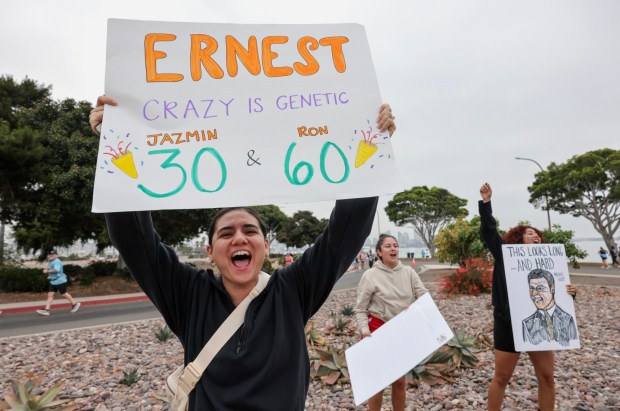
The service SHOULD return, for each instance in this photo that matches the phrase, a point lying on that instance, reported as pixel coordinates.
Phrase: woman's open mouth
(241, 259)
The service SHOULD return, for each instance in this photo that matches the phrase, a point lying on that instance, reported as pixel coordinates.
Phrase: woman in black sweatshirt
(505, 355)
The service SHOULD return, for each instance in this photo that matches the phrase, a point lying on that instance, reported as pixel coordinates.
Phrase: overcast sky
(473, 84)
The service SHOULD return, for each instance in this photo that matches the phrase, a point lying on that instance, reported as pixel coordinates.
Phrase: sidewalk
(61, 303)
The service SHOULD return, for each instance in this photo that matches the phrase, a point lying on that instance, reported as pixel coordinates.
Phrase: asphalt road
(28, 323)
(97, 315)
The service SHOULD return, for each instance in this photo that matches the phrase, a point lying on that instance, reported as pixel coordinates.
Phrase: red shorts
(374, 323)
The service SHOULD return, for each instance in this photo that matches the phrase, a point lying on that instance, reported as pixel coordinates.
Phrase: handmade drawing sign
(214, 115)
(542, 312)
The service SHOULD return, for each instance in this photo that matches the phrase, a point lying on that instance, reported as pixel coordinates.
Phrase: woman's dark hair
(224, 211)
(380, 242)
(515, 234)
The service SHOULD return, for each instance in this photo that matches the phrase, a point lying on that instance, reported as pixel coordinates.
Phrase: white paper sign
(397, 347)
(541, 311)
(214, 115)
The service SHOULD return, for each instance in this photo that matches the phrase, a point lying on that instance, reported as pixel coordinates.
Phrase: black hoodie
(493, 241)
(265, 365)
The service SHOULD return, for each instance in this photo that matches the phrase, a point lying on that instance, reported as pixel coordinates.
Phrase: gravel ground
(92, 361)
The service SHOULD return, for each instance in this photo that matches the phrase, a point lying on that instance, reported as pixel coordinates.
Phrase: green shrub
(73, 272)
(102, 268)
(348, 311)
(164, 333)
(267, 267)
(16, 279)
(86, 278)
(130, 377)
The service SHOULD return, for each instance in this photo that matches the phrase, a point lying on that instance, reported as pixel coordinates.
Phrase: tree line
(47, 167)
(587, 185)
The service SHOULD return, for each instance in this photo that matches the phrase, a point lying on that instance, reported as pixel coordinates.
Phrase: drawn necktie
(549, 324)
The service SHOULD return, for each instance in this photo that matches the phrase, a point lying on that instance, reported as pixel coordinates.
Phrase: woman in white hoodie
(385, 290)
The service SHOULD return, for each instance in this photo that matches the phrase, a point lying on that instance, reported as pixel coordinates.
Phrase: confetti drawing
(366, 148)
(123, 159)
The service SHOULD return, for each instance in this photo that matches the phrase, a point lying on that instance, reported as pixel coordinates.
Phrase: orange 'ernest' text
(253, 56)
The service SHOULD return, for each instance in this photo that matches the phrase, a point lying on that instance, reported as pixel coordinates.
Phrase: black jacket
(493, 241)
(265, 365)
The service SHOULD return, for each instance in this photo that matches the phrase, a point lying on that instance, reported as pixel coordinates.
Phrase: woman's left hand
(96, 114)
(385, 120)
(572, 290)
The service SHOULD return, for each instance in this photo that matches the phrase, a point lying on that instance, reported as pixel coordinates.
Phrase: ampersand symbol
(252, 159)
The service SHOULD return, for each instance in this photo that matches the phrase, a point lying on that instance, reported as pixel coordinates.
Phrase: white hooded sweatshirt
(385, 292)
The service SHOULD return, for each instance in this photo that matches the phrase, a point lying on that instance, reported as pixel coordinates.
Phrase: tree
(427, 210)
(16, 96)
(47, 167)
(273, 218)
(459, 241)
(20, 148)
(301, 229)
(176, 226)
(53, 209)
(558, 236)
(587, 185)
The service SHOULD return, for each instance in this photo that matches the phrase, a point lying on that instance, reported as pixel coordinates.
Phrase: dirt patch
(108, 285)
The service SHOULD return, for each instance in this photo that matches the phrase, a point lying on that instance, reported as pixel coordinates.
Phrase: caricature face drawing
(541, 293)
(549, 322)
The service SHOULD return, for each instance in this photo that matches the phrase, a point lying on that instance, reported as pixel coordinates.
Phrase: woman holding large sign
(264, 366)
(505, 355)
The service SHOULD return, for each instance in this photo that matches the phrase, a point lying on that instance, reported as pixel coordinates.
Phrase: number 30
(168, 163)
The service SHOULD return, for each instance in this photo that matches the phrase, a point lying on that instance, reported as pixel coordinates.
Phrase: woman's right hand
(96, 114)
(486, 192)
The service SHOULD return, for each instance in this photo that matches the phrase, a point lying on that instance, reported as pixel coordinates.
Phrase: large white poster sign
(542, 312)
(213, 115)
(398, 346)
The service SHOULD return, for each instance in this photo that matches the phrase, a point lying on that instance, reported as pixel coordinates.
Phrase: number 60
(293, 177)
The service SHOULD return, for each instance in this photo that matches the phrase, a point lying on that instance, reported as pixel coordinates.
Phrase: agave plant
(431, 373)
(29, 397)
(347, 311)
(463, 350)
(329, 365)
(341, 326)
(313, 338)
(164, 333)
(131, 377)
(440, 367)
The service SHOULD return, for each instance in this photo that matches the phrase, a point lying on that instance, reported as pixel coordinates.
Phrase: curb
(37, 305)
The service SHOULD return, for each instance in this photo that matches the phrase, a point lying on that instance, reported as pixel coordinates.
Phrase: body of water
(592, 247)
